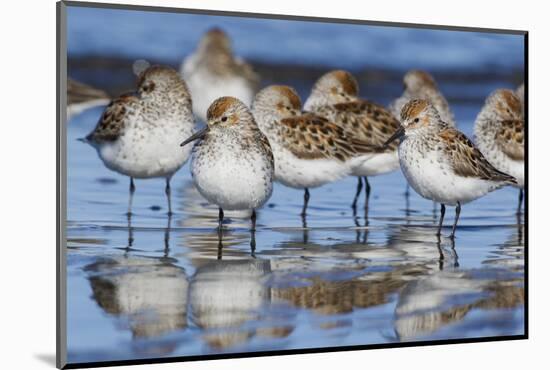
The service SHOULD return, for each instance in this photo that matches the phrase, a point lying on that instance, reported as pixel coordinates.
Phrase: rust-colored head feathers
(506, 104)
(416, 80)
(346, 81)
(419, 113)
(227, 111)
(216, 38)
(220, 106)
(338, 81)
(289, 98)
(278, 99)
(333, 88)
(413, 109)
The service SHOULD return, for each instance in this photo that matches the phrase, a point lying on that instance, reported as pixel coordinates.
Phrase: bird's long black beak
(400, 132)
(196, 135)
(87, 139)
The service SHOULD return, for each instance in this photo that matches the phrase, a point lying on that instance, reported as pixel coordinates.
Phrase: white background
(27, 145)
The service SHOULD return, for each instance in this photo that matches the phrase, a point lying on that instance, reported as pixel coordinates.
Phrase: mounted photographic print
(235, 184)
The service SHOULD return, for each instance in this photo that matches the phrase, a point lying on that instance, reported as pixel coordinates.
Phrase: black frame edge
(526, 187)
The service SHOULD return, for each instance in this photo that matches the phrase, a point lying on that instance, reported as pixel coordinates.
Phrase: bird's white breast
(148, 150)
(232, 177)
(430, 174)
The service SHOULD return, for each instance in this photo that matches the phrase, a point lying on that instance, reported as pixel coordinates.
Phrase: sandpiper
(213, 71)
(335, 96)
(232, 163)
(421, 85)
(499, 135)
(309, 150)
(441, 163)
(138, 134)
(81, 97)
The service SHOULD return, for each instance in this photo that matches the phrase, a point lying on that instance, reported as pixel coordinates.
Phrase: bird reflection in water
(148, 294)
(444, 297)
(427, 305)
(379, 273)
(226, 295)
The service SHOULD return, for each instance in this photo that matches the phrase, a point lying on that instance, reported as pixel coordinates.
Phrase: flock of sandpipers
(251, 140)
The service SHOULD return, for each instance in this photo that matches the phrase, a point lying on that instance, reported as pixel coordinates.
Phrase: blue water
(155, 286)
(170, 37)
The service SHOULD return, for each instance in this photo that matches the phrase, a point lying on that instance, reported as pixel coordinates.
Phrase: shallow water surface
(154, 285)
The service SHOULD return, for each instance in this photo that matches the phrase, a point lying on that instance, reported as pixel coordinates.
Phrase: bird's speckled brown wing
(112, 121)
(510, 139)
(366, 121)
(466, 160)
(310, 136)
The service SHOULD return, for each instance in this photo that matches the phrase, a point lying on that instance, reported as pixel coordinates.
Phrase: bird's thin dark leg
(367, 191)
(220, 220)
(520, 201)
(441, 255)
(253, 234)
(220, 246)
(357, 193)
(306, 201)
(253, 244)
(366, 215)
(220, 234)
(132, 191)
(130, 232)
(407, 203)
(253, 219)
(305, 229)
(303, 214)
(168, 192)
(457, 215)
(441, 219)
(455, 254)
(365, 235)
(167, 236)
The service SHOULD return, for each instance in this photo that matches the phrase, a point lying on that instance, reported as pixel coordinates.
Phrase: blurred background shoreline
(294, 52)
(114, 75)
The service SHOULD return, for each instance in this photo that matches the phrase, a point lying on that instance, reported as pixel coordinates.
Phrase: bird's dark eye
(224, 119)
(416, 120)
(149, 87)
(287, 107)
